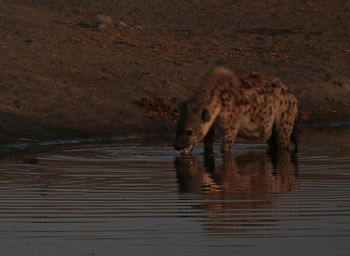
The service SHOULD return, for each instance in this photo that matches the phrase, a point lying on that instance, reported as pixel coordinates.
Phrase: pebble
(31, 161)
(122, 24)
(101, 21)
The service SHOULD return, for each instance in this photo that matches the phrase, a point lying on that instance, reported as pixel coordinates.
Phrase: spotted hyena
(251, 174)
(250, 105)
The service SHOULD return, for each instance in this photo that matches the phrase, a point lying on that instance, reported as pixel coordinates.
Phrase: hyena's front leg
(229, 135)
(209, 140)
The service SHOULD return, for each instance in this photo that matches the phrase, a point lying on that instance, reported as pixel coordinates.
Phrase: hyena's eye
(189, 132)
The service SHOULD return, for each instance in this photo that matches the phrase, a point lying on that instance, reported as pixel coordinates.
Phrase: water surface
(137, 198)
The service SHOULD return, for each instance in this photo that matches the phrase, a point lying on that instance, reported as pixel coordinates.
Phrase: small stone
(139, 27)
(101, 21)
(122, 24)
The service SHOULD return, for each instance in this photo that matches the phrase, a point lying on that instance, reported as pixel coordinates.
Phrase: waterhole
(138, 197)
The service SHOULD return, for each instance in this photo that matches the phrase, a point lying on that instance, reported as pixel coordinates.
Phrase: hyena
(250, 105)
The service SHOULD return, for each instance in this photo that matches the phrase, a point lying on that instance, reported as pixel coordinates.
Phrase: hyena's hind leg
(294, 135)
(272, 141)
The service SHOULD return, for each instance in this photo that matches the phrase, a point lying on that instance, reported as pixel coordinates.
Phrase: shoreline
(24, 144)
(63, 76)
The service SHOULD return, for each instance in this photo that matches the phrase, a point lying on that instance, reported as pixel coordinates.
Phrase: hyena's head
(189, 172)
(193, 124)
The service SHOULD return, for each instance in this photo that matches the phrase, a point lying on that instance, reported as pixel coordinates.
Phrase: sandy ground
(63, 76)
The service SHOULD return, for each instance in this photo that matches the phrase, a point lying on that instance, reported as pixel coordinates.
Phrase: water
(136, 198)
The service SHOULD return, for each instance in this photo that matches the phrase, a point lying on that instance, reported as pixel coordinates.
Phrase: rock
(101, 21)
(139, 27)
(122, 24)
(31, 161)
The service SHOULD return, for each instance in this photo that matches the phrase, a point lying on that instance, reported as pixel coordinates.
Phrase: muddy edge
(67, 72)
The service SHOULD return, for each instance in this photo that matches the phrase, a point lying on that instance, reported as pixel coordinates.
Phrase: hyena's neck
(214, 106)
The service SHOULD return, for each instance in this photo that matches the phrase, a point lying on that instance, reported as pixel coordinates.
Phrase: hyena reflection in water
(238, 183)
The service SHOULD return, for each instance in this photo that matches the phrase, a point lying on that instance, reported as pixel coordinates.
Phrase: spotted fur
(250, 105)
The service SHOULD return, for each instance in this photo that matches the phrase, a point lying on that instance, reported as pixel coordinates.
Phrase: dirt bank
(63, 76)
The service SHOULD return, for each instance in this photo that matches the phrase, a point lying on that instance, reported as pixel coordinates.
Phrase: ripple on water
(140, 200)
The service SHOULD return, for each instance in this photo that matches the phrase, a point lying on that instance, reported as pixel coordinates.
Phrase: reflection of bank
(238, 191)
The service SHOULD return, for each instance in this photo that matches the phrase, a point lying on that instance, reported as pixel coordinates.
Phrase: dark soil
(64, 73)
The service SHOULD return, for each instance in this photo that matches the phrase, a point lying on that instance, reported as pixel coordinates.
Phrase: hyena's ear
(205, 115)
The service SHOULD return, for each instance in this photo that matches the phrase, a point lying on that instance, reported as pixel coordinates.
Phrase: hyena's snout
(179, 144)
(177, 147)
(183, 145)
